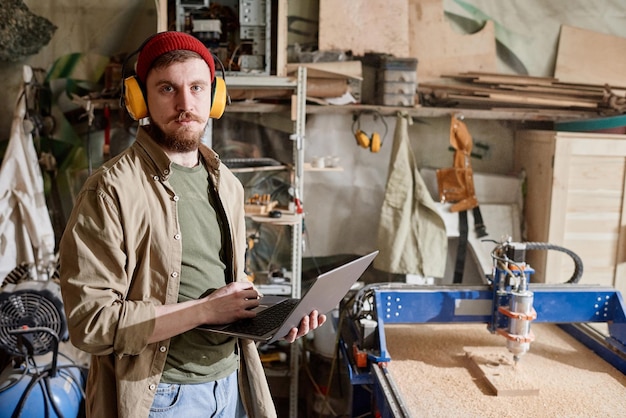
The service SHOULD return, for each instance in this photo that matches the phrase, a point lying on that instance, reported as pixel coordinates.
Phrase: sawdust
(430, 369)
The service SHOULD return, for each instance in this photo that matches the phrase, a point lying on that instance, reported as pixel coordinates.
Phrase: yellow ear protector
(133, 97)
(373, 142)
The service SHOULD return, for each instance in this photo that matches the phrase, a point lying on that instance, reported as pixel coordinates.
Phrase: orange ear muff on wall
(362, 139)
(137, 108)
(373, 142)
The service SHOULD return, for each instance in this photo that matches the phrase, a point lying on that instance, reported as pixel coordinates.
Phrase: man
(151, 231)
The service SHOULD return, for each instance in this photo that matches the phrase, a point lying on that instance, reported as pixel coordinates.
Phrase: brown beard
(181, 141)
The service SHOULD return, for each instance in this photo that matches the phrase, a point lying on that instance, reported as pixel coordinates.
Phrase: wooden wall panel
(586, 56)
(364, 26)
(440, 49)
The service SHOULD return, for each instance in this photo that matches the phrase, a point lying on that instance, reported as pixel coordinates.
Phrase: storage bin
(388, 80)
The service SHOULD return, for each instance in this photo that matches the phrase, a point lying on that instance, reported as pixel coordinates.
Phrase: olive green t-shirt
(198, 356)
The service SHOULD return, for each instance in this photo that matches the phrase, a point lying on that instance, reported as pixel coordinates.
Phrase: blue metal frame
(559, 304)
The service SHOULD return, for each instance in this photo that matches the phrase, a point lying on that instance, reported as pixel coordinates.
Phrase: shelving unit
(292, 220)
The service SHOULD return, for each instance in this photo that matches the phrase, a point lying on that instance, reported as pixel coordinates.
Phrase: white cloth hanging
(26, 233)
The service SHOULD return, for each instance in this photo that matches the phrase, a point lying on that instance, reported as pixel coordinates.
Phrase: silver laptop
(276, 315)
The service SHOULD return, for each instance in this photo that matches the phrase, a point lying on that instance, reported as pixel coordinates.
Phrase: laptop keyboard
(266, 320)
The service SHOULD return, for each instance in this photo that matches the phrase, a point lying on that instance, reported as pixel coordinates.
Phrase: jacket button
(175, 274)
(152, 386)
(177, 236)
(155, 178)
(176, 198)
(162, 349)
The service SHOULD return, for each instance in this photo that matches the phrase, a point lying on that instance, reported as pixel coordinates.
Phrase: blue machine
(38, 381)
(54, 390)
(508, 304)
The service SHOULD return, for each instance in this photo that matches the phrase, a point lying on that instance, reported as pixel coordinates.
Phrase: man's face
(179, 101)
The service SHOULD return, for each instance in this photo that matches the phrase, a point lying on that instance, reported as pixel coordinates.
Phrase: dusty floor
(434, 376)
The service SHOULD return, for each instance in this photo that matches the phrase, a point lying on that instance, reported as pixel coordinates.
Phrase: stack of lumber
(493, 90)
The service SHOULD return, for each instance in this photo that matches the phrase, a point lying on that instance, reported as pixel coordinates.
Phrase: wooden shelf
(309, 167)
(257, 169)
(539, 115)
(287, 218)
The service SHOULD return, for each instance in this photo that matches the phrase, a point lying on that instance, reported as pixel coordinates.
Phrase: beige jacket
(120, 256)
(411, 233)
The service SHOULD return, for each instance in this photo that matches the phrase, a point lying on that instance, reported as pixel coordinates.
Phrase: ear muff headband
(133, 95)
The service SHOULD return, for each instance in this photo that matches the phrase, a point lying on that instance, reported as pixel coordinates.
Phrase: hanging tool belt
(456, 186)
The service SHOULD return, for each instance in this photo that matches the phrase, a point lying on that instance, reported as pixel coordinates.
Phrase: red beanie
(164, 42)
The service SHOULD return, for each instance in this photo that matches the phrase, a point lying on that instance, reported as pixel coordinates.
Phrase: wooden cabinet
(574, 198)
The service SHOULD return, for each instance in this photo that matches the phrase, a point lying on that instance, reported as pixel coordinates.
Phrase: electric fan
(32, 323)
(31, 304)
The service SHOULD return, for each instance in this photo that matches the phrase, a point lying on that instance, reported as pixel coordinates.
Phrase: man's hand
(231, 302)
(307, 324)
(220, 306)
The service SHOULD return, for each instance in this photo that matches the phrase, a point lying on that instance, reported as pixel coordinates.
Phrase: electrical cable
(232, 57)
(496, 254)
(17, 412)
(42, 378)
(51, 399)
(578, 264)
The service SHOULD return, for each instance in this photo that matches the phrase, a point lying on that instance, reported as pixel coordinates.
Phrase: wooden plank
(161, 15)
(585, 56)
(364, 26)
(496, 366)
(484, 77)
(281, 38)
(543, 101)
(533, 153)
(440, 49)
(513, 90)
(530, 78)
(555, 90)
(335, 69)
(501, 99)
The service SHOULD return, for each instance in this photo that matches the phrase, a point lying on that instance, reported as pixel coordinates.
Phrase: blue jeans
(213, 399)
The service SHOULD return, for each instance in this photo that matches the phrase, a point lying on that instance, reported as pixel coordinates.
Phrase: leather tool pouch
(453, 183)
(456, 185)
